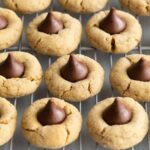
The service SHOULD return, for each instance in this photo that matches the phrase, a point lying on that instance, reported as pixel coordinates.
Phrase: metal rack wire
(81, 49)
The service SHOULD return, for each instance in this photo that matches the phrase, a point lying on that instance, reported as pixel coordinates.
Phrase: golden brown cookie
(83, 6)
(57, 44)
(27, 82)
(51, 136)
(75, 91)
(134, 83)
(121, 42)
(7, 120)
(118, 136)
(27, 6)
(10, 28)
(138, 7)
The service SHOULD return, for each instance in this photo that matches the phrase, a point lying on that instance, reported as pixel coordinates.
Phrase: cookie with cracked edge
(113, 43)
(83, 6)
(13, 85)
(8, 119)
(137, 7)
(129, 76)
(69, 32)
(27, 6)
(51, 136)
(10, 28)
(74, 90)
(117, 136)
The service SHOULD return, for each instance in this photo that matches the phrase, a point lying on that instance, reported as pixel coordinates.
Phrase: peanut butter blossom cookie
(74, 78)
(54, 33)
(138, 7)
(8, 118)
(113, 31)
(83, 6)
(10, 28)
(27, 6)
(20, 74)
(51, 123)
(117, 123)
(130, 76)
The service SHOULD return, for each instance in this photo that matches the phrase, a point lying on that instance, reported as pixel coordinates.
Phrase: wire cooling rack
(84, 142)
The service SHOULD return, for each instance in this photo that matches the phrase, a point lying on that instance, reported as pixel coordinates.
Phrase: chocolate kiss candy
(112, 23)
(74, 70)
(11, 68)
(51, 114)
(117, 113)
(3, 23)
(51, 25)
(140, 70)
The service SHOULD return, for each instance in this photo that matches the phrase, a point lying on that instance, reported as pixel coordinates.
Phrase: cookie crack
(66, 2)
(113, 44)
(128, 87)
(82, 6)
(95, 42)
(147, 6)
(89, 87)
(68, 134)
(15, 4)
(130, 60)
(37, 42)
(3, 122)
(128, 3)
(30, 130)
(102, 133)
(3, 85)
(64, 92)
(67, 130)
(34, 131)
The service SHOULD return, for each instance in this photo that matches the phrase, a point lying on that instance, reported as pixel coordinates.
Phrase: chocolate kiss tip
(11, 68)
(74, 70)
(112, 23)
(117, 113)
(142, 59)
(51, 25)
(140, 71)
(3, 23)
(51, 114)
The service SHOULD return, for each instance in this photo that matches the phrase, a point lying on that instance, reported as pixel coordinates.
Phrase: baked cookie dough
(11, 33)
(122, 42)
(138, 7)
(30, 80)
(120, 80)
(62, 43)
(27, 6)
(118, 136)
(79, 90)
(51, 136)
(7, 120)
(83, 6)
